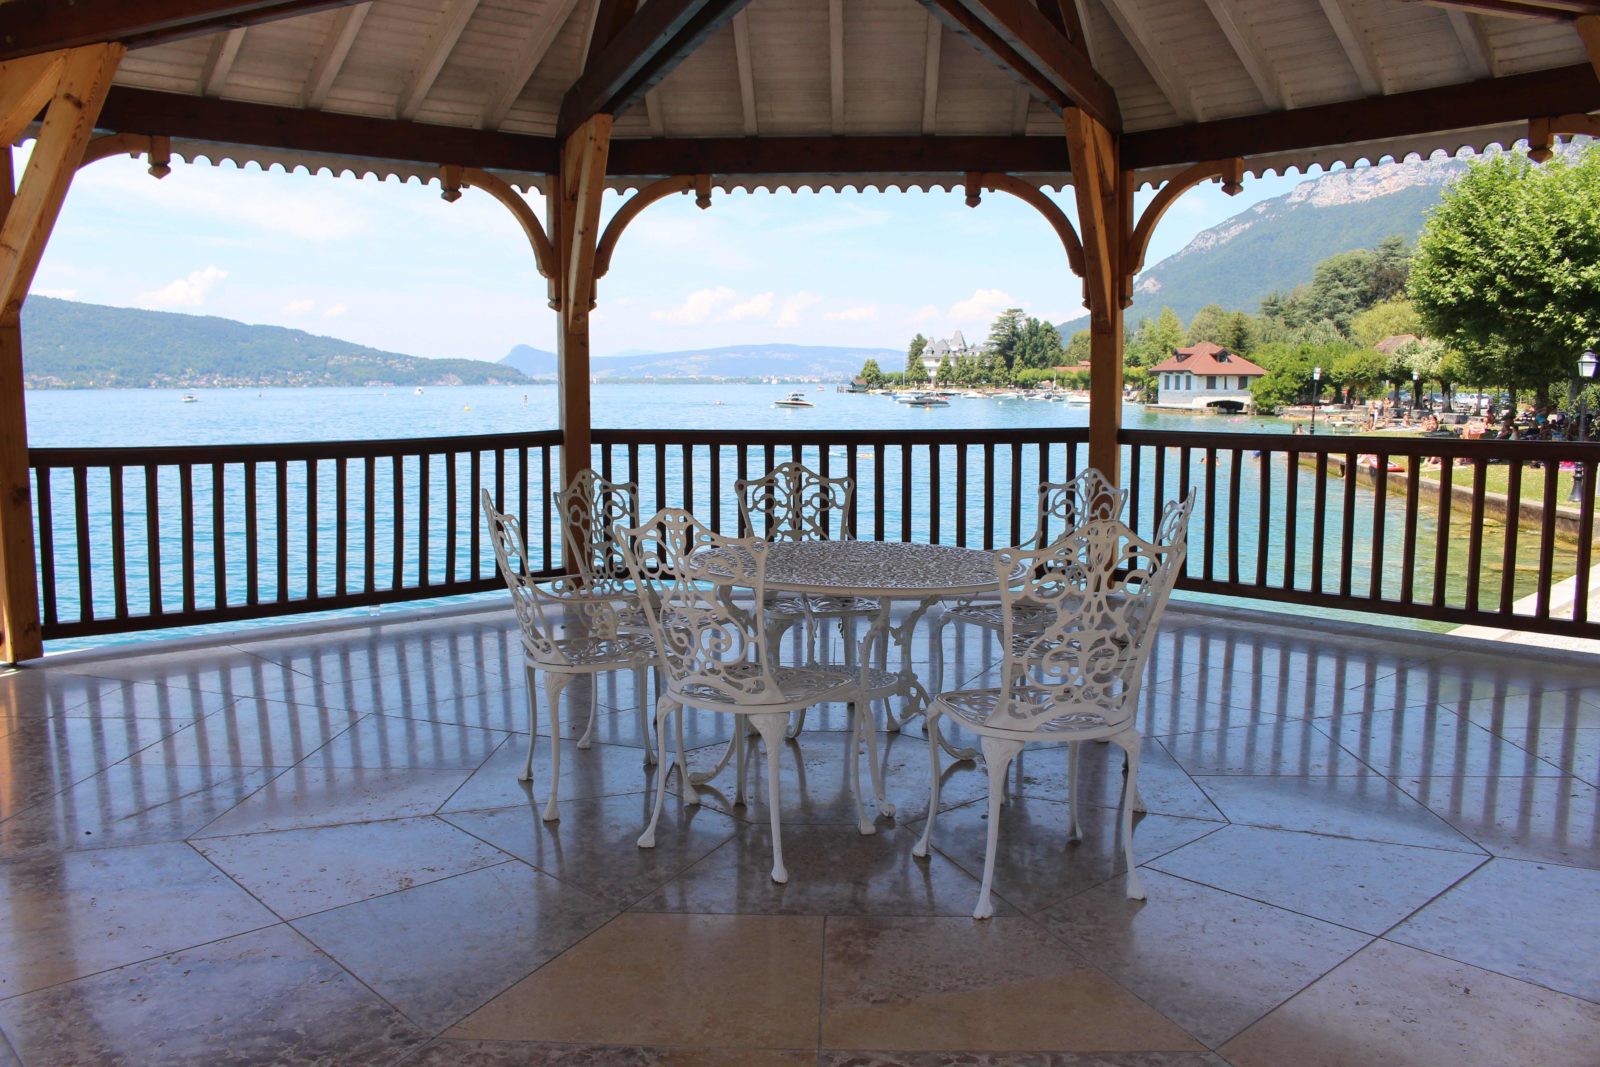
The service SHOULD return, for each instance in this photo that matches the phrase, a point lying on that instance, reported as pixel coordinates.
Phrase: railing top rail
(1342, 444)
(782, 438)
(288, 450)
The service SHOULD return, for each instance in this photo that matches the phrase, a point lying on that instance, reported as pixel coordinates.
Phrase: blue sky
(393, 266)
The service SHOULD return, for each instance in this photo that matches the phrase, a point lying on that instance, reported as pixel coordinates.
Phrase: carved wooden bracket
(700, 183)
(454, 178)
(158, 149)
(1230, 172)
(1542, 133)
(1035, 197)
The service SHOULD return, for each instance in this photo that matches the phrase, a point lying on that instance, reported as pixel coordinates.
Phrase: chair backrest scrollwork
(590, 509)
(688, 576)
(792, 502)
(1064, 506)
(1109, 587)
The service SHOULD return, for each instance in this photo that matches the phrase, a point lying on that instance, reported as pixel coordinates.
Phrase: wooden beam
(1251, 55)
(1035, 198)
(441, 42)
(836, 66)
(1086, 39)
(630, 210)
(1104, 194)
(1490, 102)
(294, 129)
(576, 213)
(837, 155)
(330, 60)
(1589, 31)
(28, 211)
(747, 75)
(1354, 42)
(654, 114)
(1141, 38)
(219, 63)
(610, 16)
(529, 56)
(26, 86)
(1230, 172)
(30, 27)
(646, 50)
(1541, 10)
(454, 178)
(1021, 41)
(1474, 43)
(930, 76)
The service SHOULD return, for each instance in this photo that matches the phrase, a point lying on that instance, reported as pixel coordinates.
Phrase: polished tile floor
(1359, 849)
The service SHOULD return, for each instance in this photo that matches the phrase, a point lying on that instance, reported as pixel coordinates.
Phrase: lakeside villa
(952, 348)
(1310, 838)
(1206, 376)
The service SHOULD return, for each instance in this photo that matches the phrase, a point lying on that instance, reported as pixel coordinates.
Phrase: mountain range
(729, 361)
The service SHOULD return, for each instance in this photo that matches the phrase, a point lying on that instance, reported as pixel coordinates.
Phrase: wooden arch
(455, 178)
(1228, 171)
(158, 149)
(1034, 196)
(700, 183)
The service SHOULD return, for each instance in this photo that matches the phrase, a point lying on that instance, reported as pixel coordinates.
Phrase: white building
(1206, 375)
(953, 348)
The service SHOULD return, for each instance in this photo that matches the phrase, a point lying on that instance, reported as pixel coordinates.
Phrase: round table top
(879, 568)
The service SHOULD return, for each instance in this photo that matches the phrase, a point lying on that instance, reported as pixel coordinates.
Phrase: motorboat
(928, 400)
(190, 398)
(794, 400)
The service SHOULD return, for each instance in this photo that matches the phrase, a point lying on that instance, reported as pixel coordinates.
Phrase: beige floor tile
(522, 1053)
(1003, 984)
(742, 981)
(1399, 1007)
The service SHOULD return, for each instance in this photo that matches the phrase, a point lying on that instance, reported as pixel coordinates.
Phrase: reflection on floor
(315, 849)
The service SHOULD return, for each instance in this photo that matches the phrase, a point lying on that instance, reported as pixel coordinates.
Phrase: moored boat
(794, 400)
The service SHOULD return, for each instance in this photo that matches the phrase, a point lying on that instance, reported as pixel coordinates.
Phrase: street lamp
(1586, 368)
(1316, 385)
(1416, 390)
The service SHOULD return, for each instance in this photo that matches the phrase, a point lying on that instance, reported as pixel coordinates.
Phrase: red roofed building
(1205, 375)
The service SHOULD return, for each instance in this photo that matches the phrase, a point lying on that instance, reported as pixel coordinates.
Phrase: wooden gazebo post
(575, 228)
(69, 86)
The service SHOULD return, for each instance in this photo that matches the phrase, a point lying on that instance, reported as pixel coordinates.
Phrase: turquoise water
(127, 418)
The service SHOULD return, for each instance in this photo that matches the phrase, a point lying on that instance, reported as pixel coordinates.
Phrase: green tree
(1387, 319)
(1210, 323)
(1005, 336)
(1078, 348)
(871, 374)
(944, 372)
(1507, 270)
(916, 373)
(1155, 339)
(1039, 346)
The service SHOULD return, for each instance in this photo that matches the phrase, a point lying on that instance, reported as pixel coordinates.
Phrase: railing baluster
(1135, 484)
(961, 496)
(452, 509)
(988, 496)
(688, 478)
(152, 535)
(219, 538)
(1547, 539)
(186, 504)
(1380, 507)
(1441, 550)
(1291, 508)
(547, 503)
(1319, 519)
(47, 546)
(1580, 597)
(80, 508)
(341, 521)
(1480, 483)
(1235, 487)
(1158, 501)
(1347, 523)
(1016, 492)
(905, 492)
(661, 476)
(742, 473)
(933, 494)
(1508, 561)
(852, 472)
(252, 538)
(1408, 558)
(1183, 490)
(474, 510)
(424, 564)
(879, 458)
(714, 458)
(1211, 511)
(1264, 518)
(119, 548)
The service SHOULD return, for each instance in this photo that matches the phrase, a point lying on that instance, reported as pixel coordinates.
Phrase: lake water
(110, 418)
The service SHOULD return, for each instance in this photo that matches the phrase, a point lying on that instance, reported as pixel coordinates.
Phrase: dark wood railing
(134, 539)
(145, 538)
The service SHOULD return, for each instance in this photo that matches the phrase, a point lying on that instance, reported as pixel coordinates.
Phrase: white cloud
(794, 307)
(59, 294)
(190, 291)
(983, 304)
(335, 311)
(296, 308)
(866, 313)
(697, 307)
(925, 313)
(757, 307)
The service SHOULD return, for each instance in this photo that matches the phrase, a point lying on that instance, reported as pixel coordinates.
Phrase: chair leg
(1128, 741)
(870, 727)
(641, 700)
(1075, 833)
(771, 726)
(920, 850)
(553, 685)
(664, 707)
(997, 755)
(686, 790)
(936, 656)
(863, 824)
(740, 747)
(587, 740)
(797, 725)
(533, 726)
(699, 777)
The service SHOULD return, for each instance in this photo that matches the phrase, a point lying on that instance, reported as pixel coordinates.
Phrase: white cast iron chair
(590, 509)
(716, 654)
(569, 629)
(1063, 507)
(1077, 679)
(792, 502)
